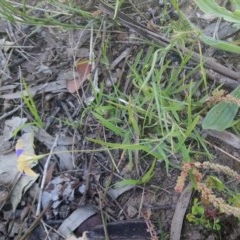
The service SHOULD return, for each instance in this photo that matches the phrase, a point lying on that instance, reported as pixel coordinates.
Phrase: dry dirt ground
(76, 183)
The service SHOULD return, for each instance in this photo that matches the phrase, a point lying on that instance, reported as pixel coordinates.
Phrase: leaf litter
(49, 66)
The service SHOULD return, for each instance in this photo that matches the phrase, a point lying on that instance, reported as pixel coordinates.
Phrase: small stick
(11, 112)
(45, 175)
(35, 223)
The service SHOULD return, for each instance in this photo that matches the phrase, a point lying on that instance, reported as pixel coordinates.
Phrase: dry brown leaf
(122, 36)
(40, 88)
(96, 13)
(152, 26)
(49, 173)
(83, 69)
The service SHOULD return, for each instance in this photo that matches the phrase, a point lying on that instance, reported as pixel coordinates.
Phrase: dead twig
(36, 222)
(12, 111)
(45, 175)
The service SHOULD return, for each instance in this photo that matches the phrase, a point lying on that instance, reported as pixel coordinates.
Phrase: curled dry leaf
(83, 69)
(96, 13)
(76, 218)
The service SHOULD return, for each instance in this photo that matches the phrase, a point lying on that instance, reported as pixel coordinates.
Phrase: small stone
(161, 3)
(132, 211)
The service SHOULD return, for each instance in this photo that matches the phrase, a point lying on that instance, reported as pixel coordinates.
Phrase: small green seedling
(199, 215)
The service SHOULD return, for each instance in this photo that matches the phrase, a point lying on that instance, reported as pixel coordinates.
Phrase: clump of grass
(158, 118)
(24, 13)
(28, 100)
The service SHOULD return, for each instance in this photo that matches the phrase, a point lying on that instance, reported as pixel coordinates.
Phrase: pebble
(132, 211)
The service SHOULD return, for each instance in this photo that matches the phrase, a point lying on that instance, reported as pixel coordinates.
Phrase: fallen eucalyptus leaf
(83, 69)
(11, 125)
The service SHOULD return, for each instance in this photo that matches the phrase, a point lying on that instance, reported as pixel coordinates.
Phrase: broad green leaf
(236, 3)
(221, 115)
(210, 6)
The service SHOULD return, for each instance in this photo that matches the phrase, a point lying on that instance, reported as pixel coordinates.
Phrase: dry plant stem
(94, 68)
(141, 203)
(5, 69)
(45, 175)
(18, 176)
(122, 56)
(226, 81)
(102, 216)
(11, 112)
(87, 183)
(51, 228)
(13, 38)
(150, 227)
(215, 33)
(136, 153)
(221, 150)
(45, 229)
(35, 223)
(150, 35)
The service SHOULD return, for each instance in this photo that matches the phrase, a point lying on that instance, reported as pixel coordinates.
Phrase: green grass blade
(28, 100)
(189, 130)
(119, 145)
(219, 44)
(106, 123)
(143, 180)
(235, 3)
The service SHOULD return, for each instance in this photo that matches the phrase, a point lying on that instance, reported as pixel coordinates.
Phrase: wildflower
(25, 160)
